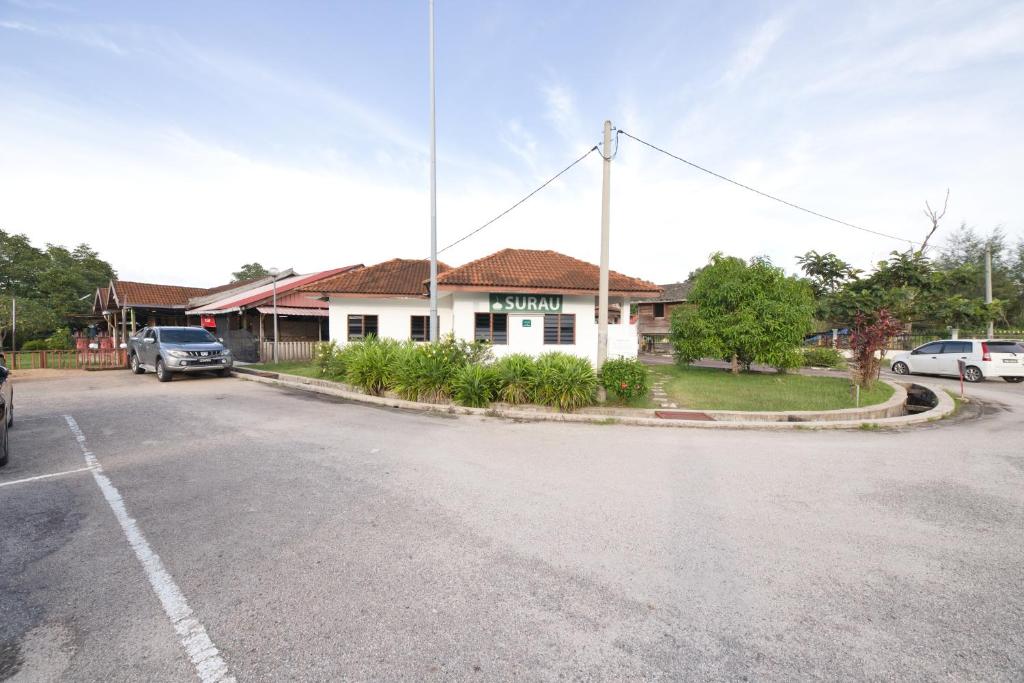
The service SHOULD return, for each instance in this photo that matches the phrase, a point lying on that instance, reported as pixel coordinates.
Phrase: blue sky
(183, 139)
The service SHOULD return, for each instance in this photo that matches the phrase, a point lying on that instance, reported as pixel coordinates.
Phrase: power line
(765, 194)
(546, 183)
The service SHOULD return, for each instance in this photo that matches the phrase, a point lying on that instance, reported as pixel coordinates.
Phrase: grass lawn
(715, 389)
(304, 368)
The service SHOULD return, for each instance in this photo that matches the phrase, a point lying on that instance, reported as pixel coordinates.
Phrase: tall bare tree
(934, 216)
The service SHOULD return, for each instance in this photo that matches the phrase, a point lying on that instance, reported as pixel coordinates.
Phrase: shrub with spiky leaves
(475, 385)
(565, 382)
(517, 375)
(371, 364)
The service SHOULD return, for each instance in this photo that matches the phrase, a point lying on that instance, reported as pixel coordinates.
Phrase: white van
(983, 357)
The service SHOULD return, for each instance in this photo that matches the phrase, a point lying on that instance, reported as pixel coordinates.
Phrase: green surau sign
(526, 303)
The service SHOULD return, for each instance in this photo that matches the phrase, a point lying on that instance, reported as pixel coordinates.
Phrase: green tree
(51, 286)
(745, 313)
(827, 272)
(249, 271)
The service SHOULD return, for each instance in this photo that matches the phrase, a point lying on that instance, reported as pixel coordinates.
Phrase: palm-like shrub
(425, 372)
(371, 365)
(625, 379)
(564, 381)
(516, 376)
(475, 385)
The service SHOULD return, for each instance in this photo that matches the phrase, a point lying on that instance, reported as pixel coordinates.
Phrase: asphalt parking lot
(311, 539)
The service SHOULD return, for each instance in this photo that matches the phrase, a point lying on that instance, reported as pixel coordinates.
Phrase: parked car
(167, 350)
(6, 409)
(983, 358)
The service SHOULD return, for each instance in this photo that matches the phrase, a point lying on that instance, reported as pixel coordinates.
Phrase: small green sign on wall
(527, 322)
(526, 303)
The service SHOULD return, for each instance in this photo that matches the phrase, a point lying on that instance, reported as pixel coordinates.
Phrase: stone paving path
(659, 395)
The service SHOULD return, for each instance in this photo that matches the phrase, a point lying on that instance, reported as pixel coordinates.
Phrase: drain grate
(682, 415)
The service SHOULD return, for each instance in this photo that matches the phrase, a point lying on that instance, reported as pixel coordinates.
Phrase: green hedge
(458, 371)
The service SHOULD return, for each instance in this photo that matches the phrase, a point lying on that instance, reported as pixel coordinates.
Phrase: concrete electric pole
(433, 189)
(988, 287)
(602, 288)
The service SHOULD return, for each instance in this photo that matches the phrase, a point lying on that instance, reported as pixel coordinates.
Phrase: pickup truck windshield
(190, 336)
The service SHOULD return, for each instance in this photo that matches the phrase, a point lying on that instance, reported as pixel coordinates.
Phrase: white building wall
(622, 339)
(456, 312)
(393, 316)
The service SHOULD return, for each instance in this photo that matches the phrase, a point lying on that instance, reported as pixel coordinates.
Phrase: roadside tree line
(749, 312)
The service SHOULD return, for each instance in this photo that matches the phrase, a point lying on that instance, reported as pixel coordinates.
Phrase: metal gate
(244, 345)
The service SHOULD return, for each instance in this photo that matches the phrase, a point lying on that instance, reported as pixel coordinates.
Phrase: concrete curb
(945, 407)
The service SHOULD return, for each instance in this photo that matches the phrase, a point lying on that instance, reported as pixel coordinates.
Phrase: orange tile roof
(128, 293)
(397, 277)
(528, 269)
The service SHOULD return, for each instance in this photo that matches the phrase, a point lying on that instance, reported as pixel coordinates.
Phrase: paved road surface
(318, 540)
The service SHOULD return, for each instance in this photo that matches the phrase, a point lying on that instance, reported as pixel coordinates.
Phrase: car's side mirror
(3, 374)
(220, 339)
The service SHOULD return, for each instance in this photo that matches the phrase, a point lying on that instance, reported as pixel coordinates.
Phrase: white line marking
(44, 476)
(200, 649)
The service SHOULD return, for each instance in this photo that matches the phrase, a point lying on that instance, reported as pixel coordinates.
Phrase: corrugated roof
(539, 270)
(264, 293)
(397, 277)
(676, 291)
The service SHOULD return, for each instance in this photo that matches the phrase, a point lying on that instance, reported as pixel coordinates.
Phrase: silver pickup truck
(167, 350)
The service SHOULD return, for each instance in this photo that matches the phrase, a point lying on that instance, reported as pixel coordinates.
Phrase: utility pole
(988, 287)
(274, 273)
(602, 288)
(14, 327)
(433, 188)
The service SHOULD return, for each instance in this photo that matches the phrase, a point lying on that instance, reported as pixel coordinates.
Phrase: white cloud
(750, 57)
(84, 35)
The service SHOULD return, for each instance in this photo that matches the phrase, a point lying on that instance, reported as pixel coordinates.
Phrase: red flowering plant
(869, 337)
(625, 379)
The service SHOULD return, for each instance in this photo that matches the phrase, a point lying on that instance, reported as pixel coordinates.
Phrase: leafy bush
(823, 357)
(36, 345)
(323, 354)
(516, 377)
(371, 364)
(564, 381)
(60, 339)
(475, 385)
(625, 379)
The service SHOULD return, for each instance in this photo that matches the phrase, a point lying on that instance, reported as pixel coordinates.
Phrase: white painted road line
(205, 657)
(45, 476)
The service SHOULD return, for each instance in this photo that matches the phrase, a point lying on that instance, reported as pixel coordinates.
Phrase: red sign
(207, 321)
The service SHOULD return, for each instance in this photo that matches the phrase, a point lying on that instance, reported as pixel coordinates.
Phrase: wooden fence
(288, 351)
(70, 359)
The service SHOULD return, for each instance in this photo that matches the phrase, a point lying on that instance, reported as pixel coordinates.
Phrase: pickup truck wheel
(136, 367)
(162, 373)
(225, 372)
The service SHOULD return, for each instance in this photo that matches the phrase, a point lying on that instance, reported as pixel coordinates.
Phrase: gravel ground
(321, 540)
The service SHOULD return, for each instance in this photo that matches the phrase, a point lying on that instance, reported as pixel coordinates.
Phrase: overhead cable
(765, 194)
(503, 213)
